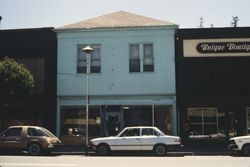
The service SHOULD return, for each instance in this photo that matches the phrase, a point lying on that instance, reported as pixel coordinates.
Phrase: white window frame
(142, 56)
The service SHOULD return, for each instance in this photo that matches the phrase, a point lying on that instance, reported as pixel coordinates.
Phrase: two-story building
(132, 80)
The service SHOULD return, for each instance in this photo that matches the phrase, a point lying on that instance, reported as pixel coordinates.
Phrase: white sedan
(240, 144)
(138, 138)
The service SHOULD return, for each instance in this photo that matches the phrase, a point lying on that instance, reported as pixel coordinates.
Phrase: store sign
(224, 47)
(216, 47)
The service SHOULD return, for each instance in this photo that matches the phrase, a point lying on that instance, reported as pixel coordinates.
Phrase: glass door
(113, 123)
(113, 120)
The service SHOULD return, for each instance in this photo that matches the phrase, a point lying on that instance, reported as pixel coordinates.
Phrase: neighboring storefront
(213, 92)
(36, 49)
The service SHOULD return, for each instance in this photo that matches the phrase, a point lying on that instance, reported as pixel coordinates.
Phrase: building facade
(213, 93)
(36, 49)
(132, 80)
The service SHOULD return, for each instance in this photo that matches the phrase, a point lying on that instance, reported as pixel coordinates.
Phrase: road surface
(119, 161)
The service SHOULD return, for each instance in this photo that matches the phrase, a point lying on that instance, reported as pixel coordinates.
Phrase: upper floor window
(141, 58)
(148, 61)
(134, 58)
(95, 59)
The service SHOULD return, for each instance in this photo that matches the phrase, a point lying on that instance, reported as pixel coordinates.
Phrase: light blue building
(132, 80)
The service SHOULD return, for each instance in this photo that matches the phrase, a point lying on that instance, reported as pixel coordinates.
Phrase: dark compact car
(34, 139)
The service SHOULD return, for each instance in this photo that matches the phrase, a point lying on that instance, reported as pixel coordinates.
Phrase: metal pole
(153, 115)
(87, 50)
(87, 100)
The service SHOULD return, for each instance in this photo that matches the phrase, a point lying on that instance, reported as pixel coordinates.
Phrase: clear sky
(185, 13)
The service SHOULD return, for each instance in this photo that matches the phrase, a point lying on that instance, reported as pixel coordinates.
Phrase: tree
(16, 83)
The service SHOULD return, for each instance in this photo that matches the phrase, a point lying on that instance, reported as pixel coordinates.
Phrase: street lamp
(87, 50)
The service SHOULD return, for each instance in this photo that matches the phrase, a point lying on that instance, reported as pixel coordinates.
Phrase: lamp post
(87, 50)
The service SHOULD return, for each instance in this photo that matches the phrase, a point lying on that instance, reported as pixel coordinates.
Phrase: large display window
(73, 121)
(203, 121)
(110, 120)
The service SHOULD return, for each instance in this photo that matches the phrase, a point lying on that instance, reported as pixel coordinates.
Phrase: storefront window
(73, 121)
(143, 116)
(203, 121)
(109, 120)
(138, 115)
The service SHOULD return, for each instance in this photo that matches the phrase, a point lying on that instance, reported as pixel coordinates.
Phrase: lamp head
(87, 49)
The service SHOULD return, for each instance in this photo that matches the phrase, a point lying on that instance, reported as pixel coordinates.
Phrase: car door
(149, 137)
(11, 138)
(129, 140)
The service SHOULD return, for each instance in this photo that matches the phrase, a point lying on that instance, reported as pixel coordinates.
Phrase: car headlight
(92, 143)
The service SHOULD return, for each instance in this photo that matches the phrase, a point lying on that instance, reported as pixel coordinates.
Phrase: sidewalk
(191, 150)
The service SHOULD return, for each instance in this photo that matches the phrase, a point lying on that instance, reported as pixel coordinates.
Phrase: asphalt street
(119, 161)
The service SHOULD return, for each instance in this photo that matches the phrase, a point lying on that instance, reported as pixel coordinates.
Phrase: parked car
(240, 144)
(33, 139)
(138, 139)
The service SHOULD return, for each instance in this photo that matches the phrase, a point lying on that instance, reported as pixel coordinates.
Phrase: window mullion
(141, 54)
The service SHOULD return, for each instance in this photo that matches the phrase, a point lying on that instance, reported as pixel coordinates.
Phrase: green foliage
(16, 82)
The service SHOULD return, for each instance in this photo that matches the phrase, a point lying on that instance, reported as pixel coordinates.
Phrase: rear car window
(149, 132)
(13, 132)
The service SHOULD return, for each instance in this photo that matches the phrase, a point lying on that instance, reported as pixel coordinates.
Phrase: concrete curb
(76, 150)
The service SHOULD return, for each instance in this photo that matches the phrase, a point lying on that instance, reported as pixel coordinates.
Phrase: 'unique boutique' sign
(216, 47)
(224, 47)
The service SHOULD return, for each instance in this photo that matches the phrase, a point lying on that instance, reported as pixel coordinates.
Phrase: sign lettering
(223, 47)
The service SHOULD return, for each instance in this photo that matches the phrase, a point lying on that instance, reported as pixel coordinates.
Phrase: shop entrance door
(113, 125)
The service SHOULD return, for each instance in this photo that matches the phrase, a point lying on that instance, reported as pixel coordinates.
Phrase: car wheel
(34, 149)
(160, 150)
(246, 150)
(102, 149)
